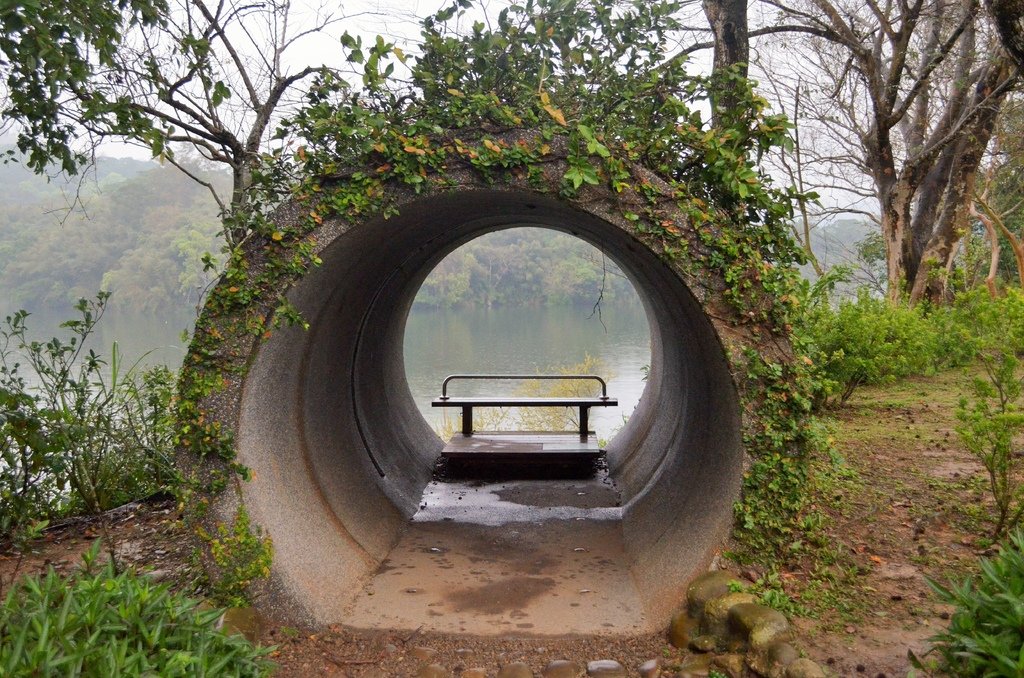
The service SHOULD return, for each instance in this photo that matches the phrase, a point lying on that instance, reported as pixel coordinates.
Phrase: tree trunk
(728, 20)
(1009, 19)
(895, 198)
(993, 239)
(952, 222)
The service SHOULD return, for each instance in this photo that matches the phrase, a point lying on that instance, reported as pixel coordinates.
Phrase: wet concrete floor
(532, 557)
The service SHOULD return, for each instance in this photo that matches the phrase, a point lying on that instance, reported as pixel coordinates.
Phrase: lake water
(443, 342)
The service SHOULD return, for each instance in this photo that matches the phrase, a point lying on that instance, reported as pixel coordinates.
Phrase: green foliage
(97, 623)
(53, 47)
(869, 341)
(986, 633)
(241, 555)
(990, 428)
(77, 433)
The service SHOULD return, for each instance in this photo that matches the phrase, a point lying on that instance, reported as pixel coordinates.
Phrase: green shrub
(78, 433)
(97, 623)
(986, 633)
(867, 341)
(990, 426)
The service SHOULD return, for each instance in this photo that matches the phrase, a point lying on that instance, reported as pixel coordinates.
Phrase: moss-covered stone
(708, 586)
(682, 629)
(760, 625)
(715, 620)
(804, 668)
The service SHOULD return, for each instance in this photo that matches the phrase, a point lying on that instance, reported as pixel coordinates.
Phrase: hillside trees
(906, 94)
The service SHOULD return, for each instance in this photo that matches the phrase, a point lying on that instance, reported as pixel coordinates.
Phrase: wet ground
(534, 557)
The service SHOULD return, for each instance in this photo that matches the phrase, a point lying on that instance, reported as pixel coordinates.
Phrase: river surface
(442, 342)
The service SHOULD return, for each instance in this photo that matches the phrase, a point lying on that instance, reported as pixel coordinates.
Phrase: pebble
(516, 670)
(433, 671)
(463, 653)
(731, 664)
(804, 668)
(562, 668)
(650, 669)
(703, 643)
(423, 653)
(605, 668)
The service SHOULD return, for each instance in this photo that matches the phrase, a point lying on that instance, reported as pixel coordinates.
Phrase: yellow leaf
(544, 98)
(399, 53)
(555, 114)
(545, 149)
(301, 153)
(455, 93)
(414, 150)
(492, 146)
(379, 147)
(276, 236)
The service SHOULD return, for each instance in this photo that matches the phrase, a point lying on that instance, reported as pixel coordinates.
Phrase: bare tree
(904, 93)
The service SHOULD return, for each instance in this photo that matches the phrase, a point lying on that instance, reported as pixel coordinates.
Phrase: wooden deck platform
(515, 454)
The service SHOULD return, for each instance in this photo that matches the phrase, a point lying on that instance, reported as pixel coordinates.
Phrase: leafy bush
(77, 433)
(97, 623)
(986, 633)
(990, 427)
(868, 341)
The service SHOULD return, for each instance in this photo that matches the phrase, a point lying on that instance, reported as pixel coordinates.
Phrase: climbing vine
(564, 96)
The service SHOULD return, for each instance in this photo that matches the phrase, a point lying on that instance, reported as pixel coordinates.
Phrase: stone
(682, 628)
(804, 668)
(703, 643)
(563, 668)
(243, 621)
(695, 666)
(606, 668)
(716, 613)
(463, 653)
(730, 664)
(433, 671)
(708, 586)
(516, 670)
(758, 624)
(391, 648)
(159, 575)
(423, 653)
(475, 672)
(772, 661)
(650, 669)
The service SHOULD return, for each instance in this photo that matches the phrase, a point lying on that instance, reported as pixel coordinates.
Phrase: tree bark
(728, 21)
(966, 159)
(1008, 16)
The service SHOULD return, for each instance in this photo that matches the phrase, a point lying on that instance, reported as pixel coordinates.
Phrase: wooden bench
(468, 403)
(510, 449)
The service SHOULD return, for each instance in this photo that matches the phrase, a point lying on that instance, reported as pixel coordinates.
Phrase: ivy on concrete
(589, 87)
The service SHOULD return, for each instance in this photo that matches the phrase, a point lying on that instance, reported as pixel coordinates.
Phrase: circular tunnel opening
(342, 457)
(527, 300)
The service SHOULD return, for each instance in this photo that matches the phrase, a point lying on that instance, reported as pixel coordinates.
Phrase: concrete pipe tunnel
(342, 458)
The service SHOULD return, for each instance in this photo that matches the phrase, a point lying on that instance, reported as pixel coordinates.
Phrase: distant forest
(140, 230)
(134, 228)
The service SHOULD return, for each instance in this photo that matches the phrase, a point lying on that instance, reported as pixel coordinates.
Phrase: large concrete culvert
(340, 455)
